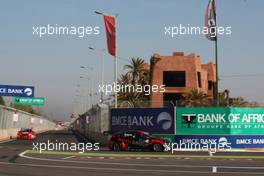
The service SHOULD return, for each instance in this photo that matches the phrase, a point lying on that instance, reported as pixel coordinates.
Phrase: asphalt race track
(15, 160)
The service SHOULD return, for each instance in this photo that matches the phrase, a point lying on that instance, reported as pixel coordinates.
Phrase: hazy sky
(51, 63)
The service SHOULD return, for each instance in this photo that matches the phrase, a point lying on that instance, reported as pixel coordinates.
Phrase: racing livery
(135, 140)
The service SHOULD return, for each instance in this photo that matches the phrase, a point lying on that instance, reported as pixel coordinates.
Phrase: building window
(174, 78)
(199, 79)
(210, 85)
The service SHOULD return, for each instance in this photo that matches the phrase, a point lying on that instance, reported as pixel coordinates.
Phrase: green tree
(124, 79)
(26, 108)
(195, 98)
(223, 100)
(136, 70)
(132, 97)
(239, 102)
(136, 74)
(2, 101)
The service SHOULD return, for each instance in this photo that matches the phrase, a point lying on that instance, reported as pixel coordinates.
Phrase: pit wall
(12, 120)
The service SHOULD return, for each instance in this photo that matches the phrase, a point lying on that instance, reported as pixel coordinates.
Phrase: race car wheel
(157, 147)
(117, 146)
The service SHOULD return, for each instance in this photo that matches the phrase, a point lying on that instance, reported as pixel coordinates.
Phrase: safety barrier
(93, 123)
(242, 127)
(12, 120)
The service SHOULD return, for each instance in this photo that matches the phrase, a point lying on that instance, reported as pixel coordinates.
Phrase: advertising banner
(34, 101)
(16, 91)
(234, 141)
(220, 121)
(15, 117)
(247, 120)
(32, 120)
(152, 120)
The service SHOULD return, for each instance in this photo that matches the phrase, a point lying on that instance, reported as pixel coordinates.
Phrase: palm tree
(136, 70)
(129, 95)
(136, 74)
(124, 79)
(195, 98)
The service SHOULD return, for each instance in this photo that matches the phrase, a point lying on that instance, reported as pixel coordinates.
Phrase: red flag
(110, 30)
(210, 21)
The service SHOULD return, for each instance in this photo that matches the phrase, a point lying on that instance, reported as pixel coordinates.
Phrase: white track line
(106, 169)
(136, 164)
(130, 170)
(68, 157)
(107, 163)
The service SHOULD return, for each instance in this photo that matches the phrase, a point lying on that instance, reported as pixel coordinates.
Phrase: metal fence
(93, 123)
(11, 120)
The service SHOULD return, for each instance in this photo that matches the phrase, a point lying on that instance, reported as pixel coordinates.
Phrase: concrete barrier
(12, 120)
(93, 123)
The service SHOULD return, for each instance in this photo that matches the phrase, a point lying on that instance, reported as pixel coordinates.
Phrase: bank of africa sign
(220, 120)
(153, 120)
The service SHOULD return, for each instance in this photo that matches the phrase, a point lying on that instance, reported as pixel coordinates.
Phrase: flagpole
(115, 57)
(216, 70)
(102, 76)
(115, 66)
(216, 61)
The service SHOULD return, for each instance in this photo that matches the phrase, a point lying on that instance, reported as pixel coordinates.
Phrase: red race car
(135, 140)
(26, 134)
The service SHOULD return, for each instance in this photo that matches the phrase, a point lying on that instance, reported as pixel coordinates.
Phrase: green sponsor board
(34, 101)
(220, 121)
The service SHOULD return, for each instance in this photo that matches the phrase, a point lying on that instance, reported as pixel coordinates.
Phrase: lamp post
(101, 51)
(89, 91)
(115, 60)
(90, 81)
(85, 101)
(77, 101)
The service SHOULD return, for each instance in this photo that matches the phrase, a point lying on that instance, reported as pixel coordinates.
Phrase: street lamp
(89, 80)
(77, 99)
(99, 13)
(86, 67)
(78, 103)
(101, 51)
(90, 88)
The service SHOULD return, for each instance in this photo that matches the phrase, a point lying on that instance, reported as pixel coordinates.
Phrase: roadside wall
(12, 120)
(93, 123)
(241, 127)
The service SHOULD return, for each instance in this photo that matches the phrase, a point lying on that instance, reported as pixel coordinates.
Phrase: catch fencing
(93, 123)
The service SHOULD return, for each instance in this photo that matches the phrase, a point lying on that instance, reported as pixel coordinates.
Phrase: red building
(180, 73)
